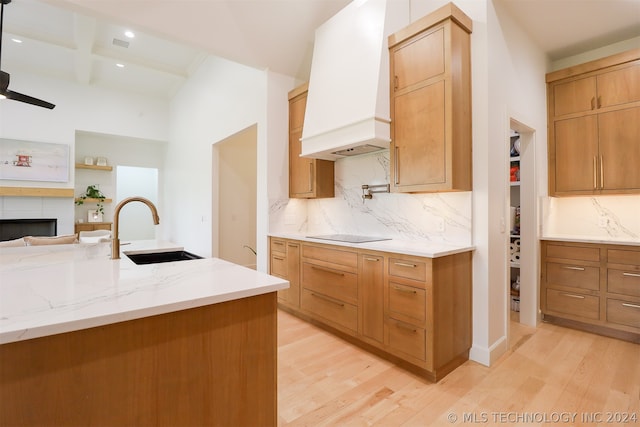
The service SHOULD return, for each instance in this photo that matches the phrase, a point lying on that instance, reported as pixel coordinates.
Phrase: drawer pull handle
(278, 258)
(631, 274)
(293, 245)
(404, 264)
(406, 327)
(573, 296)
(331, 300)
(625, 304)
(406, 291)
(574, 268)
(371, 259)
(326, 270)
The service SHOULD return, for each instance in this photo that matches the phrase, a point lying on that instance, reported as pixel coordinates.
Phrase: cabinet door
(420, 59)
(576, 155)
(419, 156)
(619, 86)
(574, 96)
(300, 168)
(619, 133)
(371, 291)
(292, 295)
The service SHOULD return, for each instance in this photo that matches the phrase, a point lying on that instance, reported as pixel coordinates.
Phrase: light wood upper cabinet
(575, 96)
(594, 111)
(620, 86)
(619, 136)
(308, 178)
(420, 59)
(577, 154)
(431, 103)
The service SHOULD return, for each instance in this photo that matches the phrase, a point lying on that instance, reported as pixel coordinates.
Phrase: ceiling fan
(5, 93)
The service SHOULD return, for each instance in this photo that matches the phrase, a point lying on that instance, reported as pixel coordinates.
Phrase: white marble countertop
(423, 249)
(46, 290)
(583, 239)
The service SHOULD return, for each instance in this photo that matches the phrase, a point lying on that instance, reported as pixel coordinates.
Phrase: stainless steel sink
(157, 257)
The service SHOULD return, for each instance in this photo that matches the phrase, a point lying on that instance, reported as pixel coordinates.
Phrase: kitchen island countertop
(46, 290)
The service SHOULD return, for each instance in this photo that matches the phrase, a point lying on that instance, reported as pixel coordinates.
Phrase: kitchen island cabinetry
(308, 178)
(595, 287)
(594, 121)
(430, 84)
(415, 311)
(86, 340)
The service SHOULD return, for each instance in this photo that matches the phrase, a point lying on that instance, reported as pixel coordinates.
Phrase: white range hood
(348, 100)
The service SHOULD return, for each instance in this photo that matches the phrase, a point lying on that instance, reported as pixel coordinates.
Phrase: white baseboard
(488, 355)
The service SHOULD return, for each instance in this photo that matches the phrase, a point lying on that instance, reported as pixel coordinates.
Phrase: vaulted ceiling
(83, 40)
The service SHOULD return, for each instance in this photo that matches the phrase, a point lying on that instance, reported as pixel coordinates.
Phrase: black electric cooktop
(349, 238)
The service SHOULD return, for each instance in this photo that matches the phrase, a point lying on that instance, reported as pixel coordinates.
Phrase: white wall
(220, 99)
(78, 107)
(122, 151)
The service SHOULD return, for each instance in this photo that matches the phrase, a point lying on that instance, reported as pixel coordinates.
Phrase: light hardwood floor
(549, 374)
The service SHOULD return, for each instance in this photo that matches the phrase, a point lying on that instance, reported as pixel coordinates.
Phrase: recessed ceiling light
(129, 34)
(16, 40)
(119, 65)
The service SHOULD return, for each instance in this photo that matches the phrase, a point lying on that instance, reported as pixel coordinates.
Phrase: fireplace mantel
(36, 192)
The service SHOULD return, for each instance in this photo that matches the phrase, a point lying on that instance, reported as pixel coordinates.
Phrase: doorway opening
(523, 283)
(135, 221)
(236, 158)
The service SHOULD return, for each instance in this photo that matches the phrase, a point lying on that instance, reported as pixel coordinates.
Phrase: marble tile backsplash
(437, 217)
(611, 218)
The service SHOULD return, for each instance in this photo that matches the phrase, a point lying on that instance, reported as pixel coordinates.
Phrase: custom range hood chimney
(348, 100)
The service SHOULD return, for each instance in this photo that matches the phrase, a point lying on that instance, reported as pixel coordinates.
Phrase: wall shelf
(36, 192)
(94, 167)
(91, 200)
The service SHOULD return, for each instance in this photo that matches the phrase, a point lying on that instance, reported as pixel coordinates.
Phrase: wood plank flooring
(550, 376)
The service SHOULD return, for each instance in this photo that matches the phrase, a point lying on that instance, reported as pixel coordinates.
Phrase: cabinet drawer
(623, 282)
(278, 246)
(330, 309)
(407, 338)
(623, 312)
(407, 301)
(334, 256)
(573, 303)
(408, 268)
(573, 252)
(335, 283)
(575, 276)
(616, 256)
(279, 265)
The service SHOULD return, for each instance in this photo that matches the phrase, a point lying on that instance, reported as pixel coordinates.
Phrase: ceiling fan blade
(28, 99)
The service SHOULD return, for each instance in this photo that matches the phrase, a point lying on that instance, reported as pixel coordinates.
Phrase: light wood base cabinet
(284, 262)
(412, 310)
(595, 287)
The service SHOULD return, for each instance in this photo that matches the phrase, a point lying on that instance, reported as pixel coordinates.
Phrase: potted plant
(92, 192)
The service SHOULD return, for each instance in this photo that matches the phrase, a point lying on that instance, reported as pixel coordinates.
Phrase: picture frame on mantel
(33, 161)
(94, 216)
